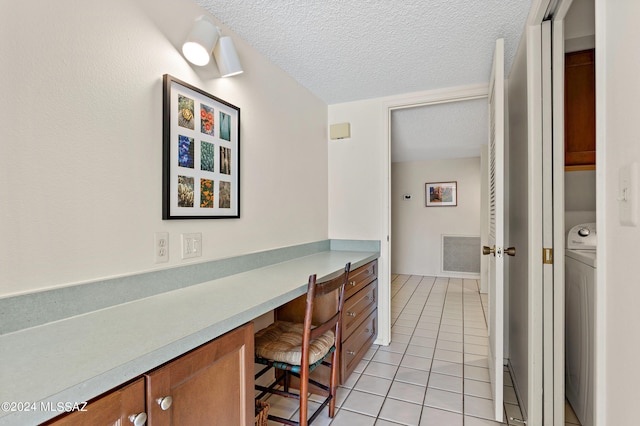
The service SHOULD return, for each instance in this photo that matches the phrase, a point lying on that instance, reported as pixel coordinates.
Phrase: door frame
(553, 303)
(387, 106)
(558, 53)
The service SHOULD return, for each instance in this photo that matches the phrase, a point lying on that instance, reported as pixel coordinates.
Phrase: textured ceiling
(449, 130)
(351, 50)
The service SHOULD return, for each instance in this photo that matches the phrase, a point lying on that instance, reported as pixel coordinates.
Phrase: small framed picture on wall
(441, 194)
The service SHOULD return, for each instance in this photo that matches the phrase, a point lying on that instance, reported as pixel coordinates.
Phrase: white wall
(359, 187)
(417, 230)
(617, 145)
(579, 26)
(580, 198)
(81, 122)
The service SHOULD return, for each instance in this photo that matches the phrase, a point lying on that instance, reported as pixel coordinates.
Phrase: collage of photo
(203, 153)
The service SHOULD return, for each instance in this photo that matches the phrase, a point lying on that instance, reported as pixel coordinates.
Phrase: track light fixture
(206, 38)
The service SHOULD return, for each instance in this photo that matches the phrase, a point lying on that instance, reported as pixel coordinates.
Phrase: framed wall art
(441, 194)
(201, 154)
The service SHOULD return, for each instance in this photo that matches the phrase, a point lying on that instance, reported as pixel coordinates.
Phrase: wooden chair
(296, 349)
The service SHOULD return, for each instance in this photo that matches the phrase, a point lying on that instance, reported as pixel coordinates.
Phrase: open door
(496, 227)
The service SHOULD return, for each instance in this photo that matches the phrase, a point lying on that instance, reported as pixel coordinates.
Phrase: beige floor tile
(439, 339)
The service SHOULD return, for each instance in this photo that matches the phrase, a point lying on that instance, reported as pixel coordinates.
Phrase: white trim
(534, 190)
(558, 51)
(547, 223)
(437, 96)
(384, 262)
(600, 322)
(558, 220)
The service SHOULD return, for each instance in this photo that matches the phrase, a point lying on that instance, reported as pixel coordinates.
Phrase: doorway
(437, 146)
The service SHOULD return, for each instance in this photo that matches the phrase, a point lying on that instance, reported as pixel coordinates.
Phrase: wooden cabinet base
(211, 385)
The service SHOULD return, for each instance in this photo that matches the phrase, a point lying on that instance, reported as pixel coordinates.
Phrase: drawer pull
(138, 419)
(352, 283)
(366, 330)
(165, 402)
(351, 314)
(351, 353)
(370, 298)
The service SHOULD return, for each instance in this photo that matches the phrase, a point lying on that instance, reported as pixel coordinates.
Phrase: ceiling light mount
(206, 39)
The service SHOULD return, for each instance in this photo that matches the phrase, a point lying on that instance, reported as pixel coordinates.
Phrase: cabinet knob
(352, 283)
(165, 402)
(352, 353)
(138, 419)
(366, 330)
(351, 314)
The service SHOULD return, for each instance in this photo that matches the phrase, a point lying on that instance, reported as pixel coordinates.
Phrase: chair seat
(282, 342)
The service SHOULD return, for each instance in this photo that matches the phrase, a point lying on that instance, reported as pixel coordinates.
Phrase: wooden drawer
(360, 277)
(112, 408)
(354, 348)
(358, 307)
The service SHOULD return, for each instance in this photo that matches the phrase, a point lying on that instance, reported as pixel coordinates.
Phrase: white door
(496, 227)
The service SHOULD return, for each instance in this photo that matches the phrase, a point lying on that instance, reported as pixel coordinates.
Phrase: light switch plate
(191, 245)
(628, 195)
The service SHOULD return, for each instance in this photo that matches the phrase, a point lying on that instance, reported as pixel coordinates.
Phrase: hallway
(434, 372)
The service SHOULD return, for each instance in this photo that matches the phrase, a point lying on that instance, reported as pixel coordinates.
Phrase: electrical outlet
(161, 247)
(191, 245)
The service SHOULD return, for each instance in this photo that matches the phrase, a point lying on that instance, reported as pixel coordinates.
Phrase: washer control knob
(584, 232)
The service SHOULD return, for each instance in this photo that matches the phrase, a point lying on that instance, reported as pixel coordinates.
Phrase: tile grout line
(446, 298)
(463, 352)
(426, 387)
(378, 349)
(408, 343)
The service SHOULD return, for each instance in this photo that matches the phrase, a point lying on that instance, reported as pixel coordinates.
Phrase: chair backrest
(334, 319)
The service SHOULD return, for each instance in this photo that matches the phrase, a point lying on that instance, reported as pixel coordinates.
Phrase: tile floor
(434, 372)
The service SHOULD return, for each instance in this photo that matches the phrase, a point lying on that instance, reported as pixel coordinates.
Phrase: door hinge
(547, 256)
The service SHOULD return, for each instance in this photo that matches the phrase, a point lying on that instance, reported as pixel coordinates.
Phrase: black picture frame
(201, 154)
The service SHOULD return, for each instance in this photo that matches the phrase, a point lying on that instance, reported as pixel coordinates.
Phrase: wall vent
(461, 254)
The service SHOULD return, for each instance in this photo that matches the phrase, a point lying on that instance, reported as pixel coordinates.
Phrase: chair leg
(333, 380)
(287, 381)
(304, 396)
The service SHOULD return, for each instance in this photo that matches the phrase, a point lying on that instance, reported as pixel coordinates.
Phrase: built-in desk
(78, 358)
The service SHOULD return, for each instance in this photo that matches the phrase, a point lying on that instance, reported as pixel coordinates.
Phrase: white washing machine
(580, 283)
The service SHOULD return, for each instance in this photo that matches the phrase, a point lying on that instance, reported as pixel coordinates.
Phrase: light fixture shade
(227, 58)
(203, 37)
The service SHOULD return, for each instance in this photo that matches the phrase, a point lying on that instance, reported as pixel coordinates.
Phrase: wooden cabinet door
(113, 408)
(580, 108)
(212, 385)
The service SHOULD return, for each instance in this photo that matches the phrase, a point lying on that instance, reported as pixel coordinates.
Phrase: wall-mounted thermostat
(407, 197)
